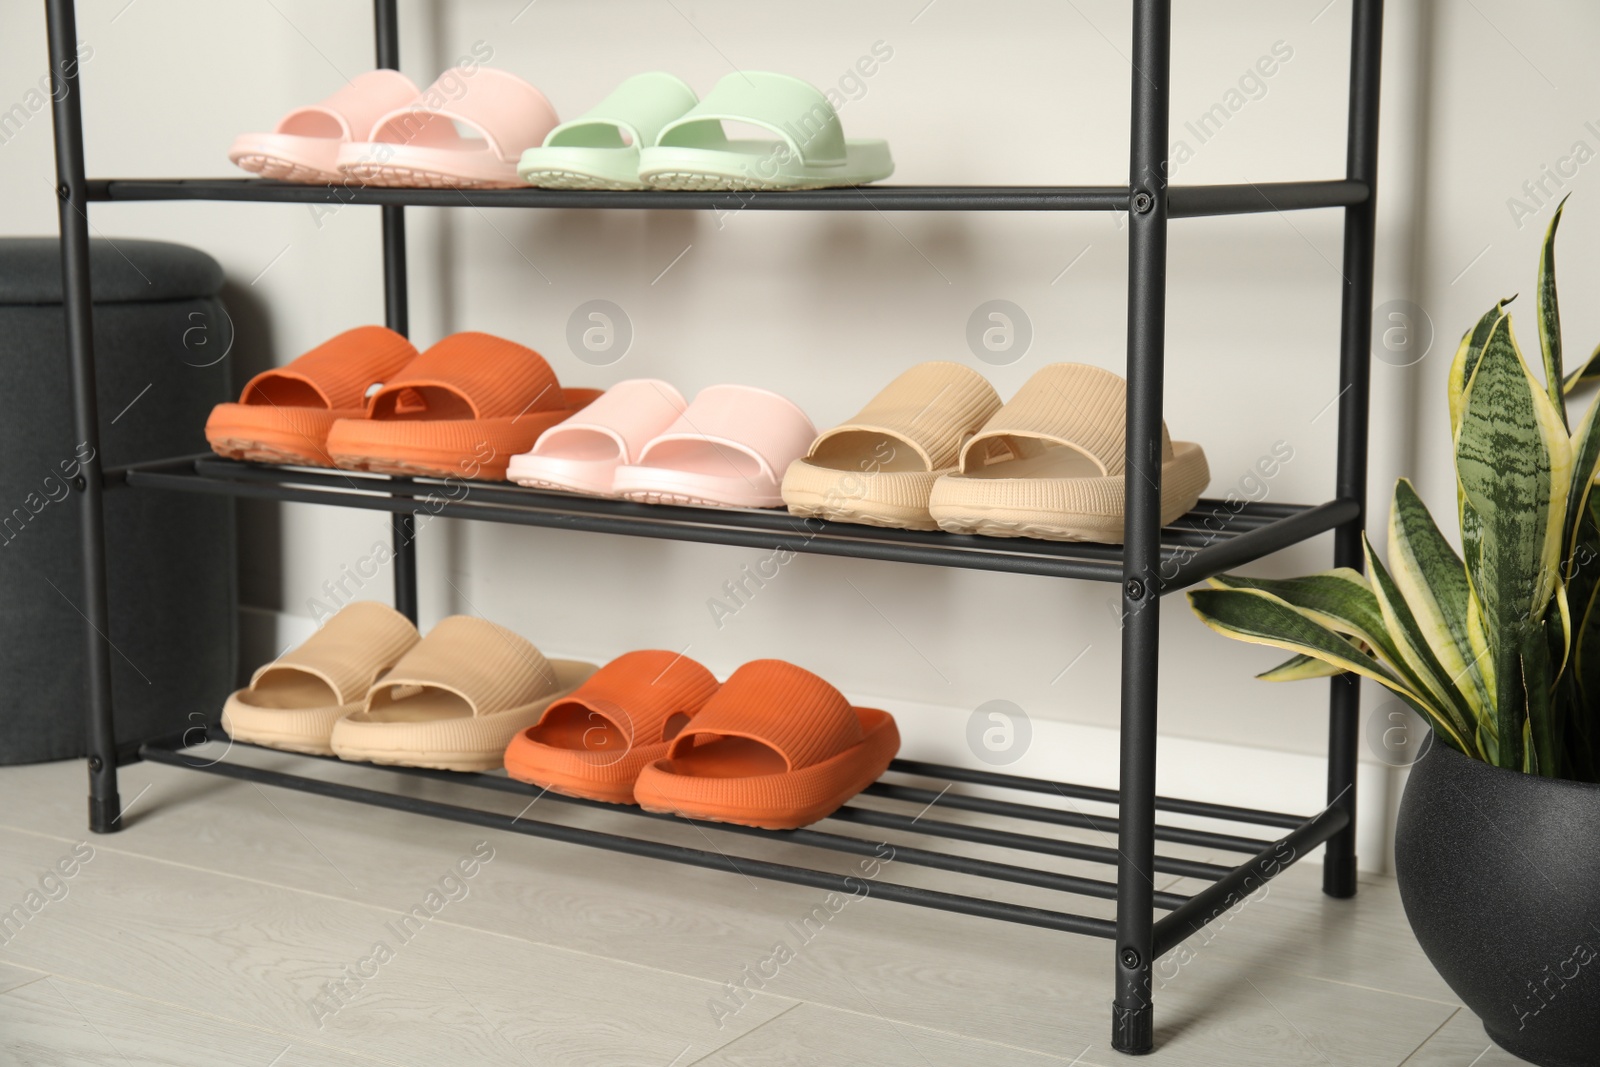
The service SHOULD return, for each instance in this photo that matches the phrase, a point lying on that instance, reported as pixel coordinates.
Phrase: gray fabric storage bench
(160, 335)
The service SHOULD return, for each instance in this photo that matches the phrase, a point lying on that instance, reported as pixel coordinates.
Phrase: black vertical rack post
(1132, 1015)
(1153, 561)
(403, 524)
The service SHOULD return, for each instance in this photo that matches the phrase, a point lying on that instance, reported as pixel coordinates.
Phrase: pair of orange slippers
(461, 409)
(774, 746)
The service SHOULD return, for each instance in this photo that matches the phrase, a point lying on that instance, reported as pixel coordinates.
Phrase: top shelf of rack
(1184, 201)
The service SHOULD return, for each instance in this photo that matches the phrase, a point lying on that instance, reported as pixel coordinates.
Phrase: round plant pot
(1499, 873)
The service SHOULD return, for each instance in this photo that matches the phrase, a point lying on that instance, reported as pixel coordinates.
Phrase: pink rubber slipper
(304, 146)
(728, 449)
(582, 454)
(421, 145)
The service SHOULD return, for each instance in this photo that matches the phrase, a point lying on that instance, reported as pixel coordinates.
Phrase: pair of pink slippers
(642, 441)
(381, 130)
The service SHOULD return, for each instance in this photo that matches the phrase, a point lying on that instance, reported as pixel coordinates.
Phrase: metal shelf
(1186, 913)
(1209, 540)
(1184, 201)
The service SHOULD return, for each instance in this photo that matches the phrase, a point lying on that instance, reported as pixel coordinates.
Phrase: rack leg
(105, 807)
(1355, 366)
(402, 527)
(1132, 1011)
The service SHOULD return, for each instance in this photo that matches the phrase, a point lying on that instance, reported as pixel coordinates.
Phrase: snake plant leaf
(1583, 583)
(1339, 599)
(1585, 464)
(1514, 465)
(1589, 372)
(1260, 618)
(1549, 311)
(1418, 658)
(1299, 668)
(1432, 581)
(1343, 601)
(1540, 738)
(1466, 360)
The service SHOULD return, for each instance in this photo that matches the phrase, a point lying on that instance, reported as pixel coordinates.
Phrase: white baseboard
(1220, 773)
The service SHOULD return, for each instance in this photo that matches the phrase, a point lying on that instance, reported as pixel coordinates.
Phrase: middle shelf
(1217, 536)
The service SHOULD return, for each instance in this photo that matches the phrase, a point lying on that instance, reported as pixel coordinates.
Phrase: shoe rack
(1152, 562)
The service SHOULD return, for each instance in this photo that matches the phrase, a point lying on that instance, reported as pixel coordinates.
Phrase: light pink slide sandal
(728, 449)
(304, 146)
(421, 145)
(582, 454)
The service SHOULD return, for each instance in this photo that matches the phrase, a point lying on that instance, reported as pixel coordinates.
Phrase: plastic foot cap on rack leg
(1132, 1029)
(105, 814)
(1339, 875)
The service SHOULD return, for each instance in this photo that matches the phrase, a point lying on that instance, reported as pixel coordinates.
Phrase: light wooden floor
(205, 933)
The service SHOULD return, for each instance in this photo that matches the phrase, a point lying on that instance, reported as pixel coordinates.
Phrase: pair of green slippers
(652, 132)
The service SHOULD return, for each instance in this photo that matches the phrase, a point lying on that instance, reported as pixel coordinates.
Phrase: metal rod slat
(847, 884)
(1099, 794)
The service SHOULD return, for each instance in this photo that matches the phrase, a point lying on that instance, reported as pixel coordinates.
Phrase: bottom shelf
(1186, 914)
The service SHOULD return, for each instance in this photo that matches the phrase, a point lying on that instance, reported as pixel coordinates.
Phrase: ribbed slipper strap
(1071, 404)
(932, 408)
(349, 652)
(486, 665)
(340, 370)
(786, 708)
(629, 414)
(494, 377)
(768, 428)
(639, 692)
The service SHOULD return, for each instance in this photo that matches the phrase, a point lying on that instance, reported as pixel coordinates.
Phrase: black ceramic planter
(1500, 876)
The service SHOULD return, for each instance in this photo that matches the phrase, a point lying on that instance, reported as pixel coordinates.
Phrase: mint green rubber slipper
(600, 149)
(811, 152)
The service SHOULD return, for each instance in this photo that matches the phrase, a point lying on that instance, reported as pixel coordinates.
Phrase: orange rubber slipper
(776, 747)
(595, 742)
(462, 409)
(284, 414)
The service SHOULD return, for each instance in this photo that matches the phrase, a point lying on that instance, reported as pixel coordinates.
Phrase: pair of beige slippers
(367, 686)
(936, 449)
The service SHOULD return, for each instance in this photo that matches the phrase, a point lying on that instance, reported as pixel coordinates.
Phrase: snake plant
(1497, 647)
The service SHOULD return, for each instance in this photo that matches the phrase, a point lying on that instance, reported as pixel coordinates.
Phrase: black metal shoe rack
(1153, 562)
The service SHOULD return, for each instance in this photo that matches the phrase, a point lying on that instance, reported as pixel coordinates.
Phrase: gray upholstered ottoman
(160, 334)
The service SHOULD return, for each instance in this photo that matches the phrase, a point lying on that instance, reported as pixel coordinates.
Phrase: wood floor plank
(813, 1036)
(989, 981)
(1364, 940)
(59, 1021)
(410, 989)
(12, 977)
(1461, 1042)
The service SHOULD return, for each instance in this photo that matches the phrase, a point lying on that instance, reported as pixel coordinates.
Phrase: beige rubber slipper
(293, 702)
(880, 467)
(456, 699)
(1050, 464)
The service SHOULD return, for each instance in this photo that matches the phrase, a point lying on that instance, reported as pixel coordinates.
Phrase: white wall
(826, 308)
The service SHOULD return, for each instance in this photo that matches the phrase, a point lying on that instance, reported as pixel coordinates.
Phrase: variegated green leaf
(1585, 463)
(1540, 737)
(1343, 601)
(1433, 582)
(1260, 618)
(1549, 310)
(1299, 669)
(1417, 657)
(1589, 372)
(1513, 460)
(1466, 360)
(1339, 599)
